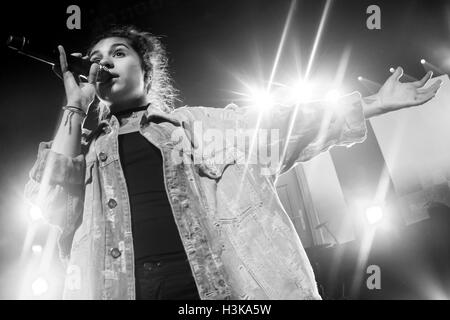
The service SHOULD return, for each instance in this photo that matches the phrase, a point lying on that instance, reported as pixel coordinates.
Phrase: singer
(137, 223)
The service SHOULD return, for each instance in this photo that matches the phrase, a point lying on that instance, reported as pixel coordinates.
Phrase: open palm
(396, 95)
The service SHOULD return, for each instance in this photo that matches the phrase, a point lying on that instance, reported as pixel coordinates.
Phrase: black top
(154, 229)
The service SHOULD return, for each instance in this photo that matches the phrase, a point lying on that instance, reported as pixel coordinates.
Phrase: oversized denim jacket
(239, 241)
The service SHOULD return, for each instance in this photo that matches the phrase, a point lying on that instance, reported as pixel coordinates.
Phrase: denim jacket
(239, 240)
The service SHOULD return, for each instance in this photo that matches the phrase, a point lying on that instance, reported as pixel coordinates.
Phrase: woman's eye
(119, 54)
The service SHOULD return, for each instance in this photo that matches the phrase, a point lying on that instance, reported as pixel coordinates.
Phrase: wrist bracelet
(73, 110)
(77, 110)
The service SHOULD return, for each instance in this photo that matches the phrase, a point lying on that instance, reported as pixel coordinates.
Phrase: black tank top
(154, 229)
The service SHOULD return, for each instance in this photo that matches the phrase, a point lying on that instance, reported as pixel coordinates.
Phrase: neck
(124, 111)
(129, 105)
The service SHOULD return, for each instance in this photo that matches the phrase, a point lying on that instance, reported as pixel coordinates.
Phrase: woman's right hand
(79, 95)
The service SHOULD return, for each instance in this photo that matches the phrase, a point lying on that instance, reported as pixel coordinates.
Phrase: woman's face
(124, 63)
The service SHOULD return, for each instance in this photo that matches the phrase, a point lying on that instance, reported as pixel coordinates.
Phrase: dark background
(210, 44)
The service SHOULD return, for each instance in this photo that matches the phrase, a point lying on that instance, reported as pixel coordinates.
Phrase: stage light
(431, 67)
(360, 78)
(301, 91)
(35, 213)
(36, 249)
(392, 70)
(261, 98)
(39, 286)
(374, 214)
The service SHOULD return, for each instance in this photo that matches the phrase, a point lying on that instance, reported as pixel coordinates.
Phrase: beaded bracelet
(73, 110)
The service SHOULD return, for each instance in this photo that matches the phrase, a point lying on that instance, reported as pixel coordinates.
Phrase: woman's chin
(111, 93)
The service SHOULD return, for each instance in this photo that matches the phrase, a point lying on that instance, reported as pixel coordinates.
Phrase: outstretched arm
(395, 95)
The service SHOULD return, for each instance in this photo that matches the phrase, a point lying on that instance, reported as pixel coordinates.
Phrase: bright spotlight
(39, 286)
(423, 61)
(333, 95)
(374, 214)
(301, 92)
(392, 70)
(36, 248)
(262, 98)
(35, 213)
(360, 78)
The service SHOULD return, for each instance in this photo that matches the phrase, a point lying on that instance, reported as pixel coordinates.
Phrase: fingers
(398, 73)
(433, 88)
(424, 80)
(69, 80)
(63, 60)
(422, 98)
(427, 94)
(93, 73)
(79, 55)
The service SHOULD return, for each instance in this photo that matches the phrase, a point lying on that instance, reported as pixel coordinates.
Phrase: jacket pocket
(236, 194)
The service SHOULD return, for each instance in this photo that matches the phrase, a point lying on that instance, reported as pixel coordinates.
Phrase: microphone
(77, 65)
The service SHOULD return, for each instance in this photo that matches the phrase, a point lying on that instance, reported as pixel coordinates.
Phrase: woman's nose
(107, 62)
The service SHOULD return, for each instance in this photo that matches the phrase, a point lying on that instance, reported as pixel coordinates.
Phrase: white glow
(36, 248)
(423, 61)
(301, 92)
(261, 99)
(391, 70)
(434, 289)
(333, 95)
(374, 214)
(35, 213)
(39, 286)
(360, 78)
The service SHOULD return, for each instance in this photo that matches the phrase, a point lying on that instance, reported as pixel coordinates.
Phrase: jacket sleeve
(280, 137)
(299, 133)
(56, 187)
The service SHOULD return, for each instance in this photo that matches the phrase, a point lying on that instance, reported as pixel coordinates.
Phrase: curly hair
(154, 62)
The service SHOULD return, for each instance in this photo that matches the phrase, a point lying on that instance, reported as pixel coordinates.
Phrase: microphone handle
(77, 65)
(82, 67)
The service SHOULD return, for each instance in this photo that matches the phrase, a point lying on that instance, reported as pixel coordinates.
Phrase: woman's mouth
(109, 80)
(106, 77)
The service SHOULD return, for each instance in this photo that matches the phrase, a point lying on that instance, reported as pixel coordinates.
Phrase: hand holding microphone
(70, 69)
(79, 94)
(77, 64)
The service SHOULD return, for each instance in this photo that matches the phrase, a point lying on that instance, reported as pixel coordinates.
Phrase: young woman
(146, 211)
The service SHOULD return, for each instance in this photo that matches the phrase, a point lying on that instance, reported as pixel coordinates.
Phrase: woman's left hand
(395, 95)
